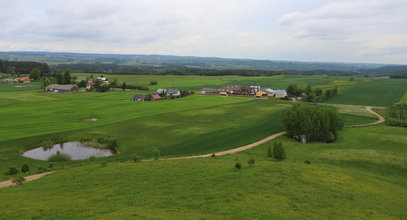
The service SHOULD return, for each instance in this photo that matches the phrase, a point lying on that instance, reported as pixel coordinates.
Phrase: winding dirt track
(8, 183)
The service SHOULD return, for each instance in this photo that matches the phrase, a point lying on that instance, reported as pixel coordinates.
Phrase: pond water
(76, 150)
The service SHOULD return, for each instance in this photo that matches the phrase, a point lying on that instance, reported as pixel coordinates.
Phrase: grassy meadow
(360, 176)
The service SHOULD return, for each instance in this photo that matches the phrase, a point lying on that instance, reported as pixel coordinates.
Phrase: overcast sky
(372, 31)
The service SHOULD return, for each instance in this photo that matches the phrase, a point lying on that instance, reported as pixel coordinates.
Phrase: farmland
(358, 176)
(377, 92)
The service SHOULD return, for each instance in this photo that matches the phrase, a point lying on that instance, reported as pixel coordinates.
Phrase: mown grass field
(376, 92)
(361, 176)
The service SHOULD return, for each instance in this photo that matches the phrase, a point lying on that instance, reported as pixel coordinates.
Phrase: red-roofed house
(89, 85)
(23, 79)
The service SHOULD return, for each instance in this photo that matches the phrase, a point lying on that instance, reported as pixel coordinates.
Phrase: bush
(18, 180)
(25, 168)
(136, 159)
(307, 162)
(213, 155)
(251, 162)
(112, 144)
(59, 157)
(238, 165)
(269, 152)
(278, 151)
(156, 153)
(153, 82)
(11, 171)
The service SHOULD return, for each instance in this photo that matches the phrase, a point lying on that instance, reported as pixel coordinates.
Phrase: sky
(368, 31)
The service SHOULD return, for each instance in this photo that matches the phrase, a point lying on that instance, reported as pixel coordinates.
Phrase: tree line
(312, 95)
(396, 115)
(22, 67)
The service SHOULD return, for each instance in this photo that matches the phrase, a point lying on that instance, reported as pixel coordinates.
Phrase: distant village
(256, 91)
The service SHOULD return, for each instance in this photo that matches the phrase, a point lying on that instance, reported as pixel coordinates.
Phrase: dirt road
(369, 109)
(8, 183)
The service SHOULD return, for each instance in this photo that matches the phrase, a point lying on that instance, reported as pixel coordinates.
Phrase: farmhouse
(139, 97)
(154, 97)
(230, 90)
(161, 91)
(255, 88)
(260, 94)
(269, 91)
(208, 90)
(281, 93)
(62, 88)
(23, 79)
(173, 92)
(9, 81)
(89, 85)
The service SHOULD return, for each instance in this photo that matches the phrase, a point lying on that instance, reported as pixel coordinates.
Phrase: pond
(76, 150)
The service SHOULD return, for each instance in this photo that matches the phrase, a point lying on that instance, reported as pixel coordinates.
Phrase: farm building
(231, 90)
(23, 79)
(139, 97)
(160, 91)
(281, 93)
(255, 88)
(269, 91)
(208, 90)
(154, 97)
(62, 88)
(9, 81)
(173, 92)
(260, 94)
(89, 85)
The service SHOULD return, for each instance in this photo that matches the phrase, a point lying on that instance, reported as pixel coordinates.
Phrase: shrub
(307, 162)
(18, 180)
(251, 162)
(136, 159)
(213, 155)
(25, 168)
(278, 151)
(11, 171)
(238, 165)
(156, 153)
(51, 165)
(269, 152)
(41, 170)
(153, 82)
(112, 144)
(59, 157)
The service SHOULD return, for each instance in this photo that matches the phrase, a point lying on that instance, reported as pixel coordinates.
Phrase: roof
(90, 83)
(209, 90)
(155, 96)
(280, 92)
(61, 87)
(23, 78)
(230, 88)
(138, 96)
(161, 90)
(172, 91)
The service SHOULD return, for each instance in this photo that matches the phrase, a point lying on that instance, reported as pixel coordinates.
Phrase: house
(62, 88)
(161, 91)
(139, 97)
(173, 92)
(255, 88)
(223, 93)
(154, 97)
(102, 79)
(23, 79)
(268, 91)
(208, 90)
(280, 93)
(89, 85)
(260, 94)
(9, 81)
(230, 90)
(247, 91)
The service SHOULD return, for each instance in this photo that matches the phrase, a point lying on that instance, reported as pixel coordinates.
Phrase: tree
(67, 77)
(136, 159)
(292, 89)
(60, 78)
(278, 151)
(12, 171)
(156, 153)
(35, 74)
(308, 89)
(25, 168)
(318, 91)
(124, 86)
(238, 165)
(153, 82)
(269, 152)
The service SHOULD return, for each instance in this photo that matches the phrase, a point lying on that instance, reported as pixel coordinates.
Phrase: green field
(377, 92)
(360, 176)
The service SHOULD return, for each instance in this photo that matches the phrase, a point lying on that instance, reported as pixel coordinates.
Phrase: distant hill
(188, 65)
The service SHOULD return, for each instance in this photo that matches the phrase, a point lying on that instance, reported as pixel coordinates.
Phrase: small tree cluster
(312, 95)
(396, 115)
(278, 151)
(308, 123)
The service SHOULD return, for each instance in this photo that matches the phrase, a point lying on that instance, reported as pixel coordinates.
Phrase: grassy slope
(360, 176)
(404, 98)
(377, 92)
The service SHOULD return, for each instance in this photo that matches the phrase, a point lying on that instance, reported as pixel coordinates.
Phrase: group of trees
(396, 115)
(312, 95)
(308, 123)
(22, 67)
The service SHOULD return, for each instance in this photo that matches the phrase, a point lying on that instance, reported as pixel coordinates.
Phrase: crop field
(404, 98)
(198, 82)
(5, 87)
(358, 177)
(377, 92)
